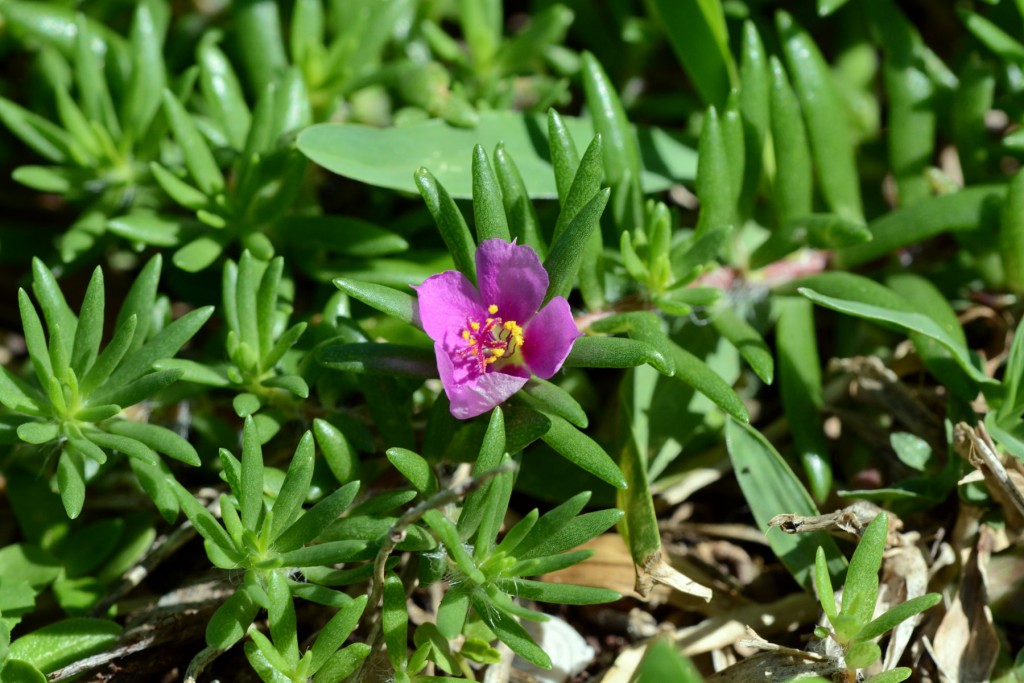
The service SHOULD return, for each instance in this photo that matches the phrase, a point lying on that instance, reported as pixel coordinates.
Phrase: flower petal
(549, 338)
(472, 394)
(511, 277)
(445, 301)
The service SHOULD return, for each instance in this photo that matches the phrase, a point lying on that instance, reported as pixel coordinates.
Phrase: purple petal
(512, 278)
(472, 394)
(549, 338)
(445, 301)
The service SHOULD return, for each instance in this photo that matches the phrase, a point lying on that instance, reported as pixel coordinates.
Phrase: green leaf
(509, 631)
(770, 489)
(547, 397)
(183, 193)
(697, 31)
(295, 486)
(206, 525)
(612, 352)
(250, 493)
(451, 615)
(475, 509)
(488, 207)
(959, 211)
(281, 615)
(694, 372)
(449, 221)
(642, 326)
(334, 634)
(898, 614)
(563, 262)
(321, 554)
(525, 226)
(340, 457)
(89, 332)
(900, 673)
(1011, 233)
(315, 520)
(755, 106)
(197, 155)
(164, 344)
(147, 228)
(801, 389)
(140, 301)
(747, 341)
(559, 593)
(380, 359)
(134, 392)
(64, 642)
(548, 524)
(907, 320)
(385, 299)
(860, 591)
(43, 136)
(231, 620)
(825, 117)
(585, 184)
(18, 671)
(71, 481)
(565, 158)
(572, 534)
(662, 662)
(265, 660)
(993, 37)
(449, 536)
(148, 74)
(395, 621)
(414, 468)
(111, 356)
(582, 451)
(38, 432)
(823, 583)
(342, 664)
(222, 92)
(160, 439)
(385, 156)
(35, 339)
(863, 654)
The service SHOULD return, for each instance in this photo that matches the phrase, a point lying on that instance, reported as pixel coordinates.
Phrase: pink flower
(489, 342)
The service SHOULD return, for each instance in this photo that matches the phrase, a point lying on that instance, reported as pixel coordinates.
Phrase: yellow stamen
(466, 335)
(475, 325)
(492, 309)
(498, 353)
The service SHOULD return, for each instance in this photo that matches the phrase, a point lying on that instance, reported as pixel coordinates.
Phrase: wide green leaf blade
(386, 157)
(906, 320)
(770, 489)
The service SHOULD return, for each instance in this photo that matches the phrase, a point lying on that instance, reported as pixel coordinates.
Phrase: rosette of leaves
(257, 340)
(77, 403)
(264, 532)
(238, 171)
(106, 131)
(852, 627)
(487, 575)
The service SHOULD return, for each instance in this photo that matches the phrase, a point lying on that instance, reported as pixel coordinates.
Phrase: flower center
(492, 339)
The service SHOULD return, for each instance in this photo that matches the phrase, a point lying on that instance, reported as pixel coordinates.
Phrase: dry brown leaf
(610, 567)
(849, 521)
(1005, 484)
(655, 570)
(966, 645)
